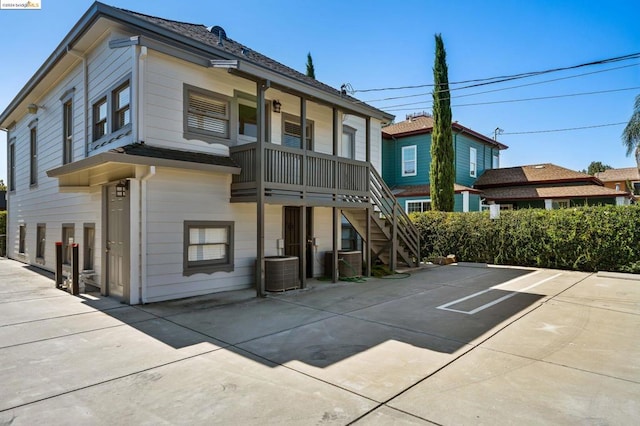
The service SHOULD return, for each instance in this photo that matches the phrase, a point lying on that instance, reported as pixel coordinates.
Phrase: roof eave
(98, 10)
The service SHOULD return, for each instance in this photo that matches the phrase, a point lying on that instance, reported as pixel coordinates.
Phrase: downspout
(140, 54)
(85, 96)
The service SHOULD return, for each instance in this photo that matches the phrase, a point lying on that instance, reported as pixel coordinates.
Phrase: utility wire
(515, 100)
(563, 130)
(500, 79)
(504, 88)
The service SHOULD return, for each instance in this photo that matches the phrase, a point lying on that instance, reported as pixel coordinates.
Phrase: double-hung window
(292, 132)
(12, 164)
(121, 107)
(33, 154)
(67, 132)
(473, 162)
(40, 242)
(100, 110)
(207, 115)
(208, 247)
(22, 239)
(409, 160)
(348, 142)
(248, 118)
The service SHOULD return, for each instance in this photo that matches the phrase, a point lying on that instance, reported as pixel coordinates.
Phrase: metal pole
(75, 270)
(59, 277)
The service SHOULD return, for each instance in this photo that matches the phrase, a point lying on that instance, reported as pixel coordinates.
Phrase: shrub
(585, 239)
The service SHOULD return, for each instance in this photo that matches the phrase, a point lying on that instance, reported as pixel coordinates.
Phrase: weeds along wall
(598, 238)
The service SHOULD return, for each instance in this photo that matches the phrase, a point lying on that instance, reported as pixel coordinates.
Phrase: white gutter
(143, 233)
(137, 90)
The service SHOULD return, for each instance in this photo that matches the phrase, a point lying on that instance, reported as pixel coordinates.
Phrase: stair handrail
(387, 203)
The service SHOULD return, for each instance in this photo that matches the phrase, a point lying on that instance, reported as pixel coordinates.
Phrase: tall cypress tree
(311, 72)
(442, 173)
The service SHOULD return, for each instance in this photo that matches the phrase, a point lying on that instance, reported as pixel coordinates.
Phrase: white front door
(117, 241)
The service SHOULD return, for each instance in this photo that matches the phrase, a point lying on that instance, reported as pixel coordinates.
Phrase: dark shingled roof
(423, 124)
(144, 150)
(201, 34)
(612, 175)
(533, 192)
(530, 174)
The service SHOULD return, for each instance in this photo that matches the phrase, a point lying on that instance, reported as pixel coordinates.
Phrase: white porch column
(548, 204)
(465, 201)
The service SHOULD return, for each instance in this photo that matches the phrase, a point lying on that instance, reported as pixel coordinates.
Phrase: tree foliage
(597, 167)
(311, 71)
(631, 132)
(442, 172)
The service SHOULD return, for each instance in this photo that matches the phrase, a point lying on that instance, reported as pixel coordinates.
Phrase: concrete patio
(446, 345)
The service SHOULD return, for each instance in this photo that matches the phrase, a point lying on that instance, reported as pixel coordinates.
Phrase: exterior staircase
(394, 239)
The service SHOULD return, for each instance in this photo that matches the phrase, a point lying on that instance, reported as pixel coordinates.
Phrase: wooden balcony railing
(295, 176)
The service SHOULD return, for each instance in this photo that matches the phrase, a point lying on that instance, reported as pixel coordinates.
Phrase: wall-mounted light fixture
(33, 108)
(121, 188)
(277, 106)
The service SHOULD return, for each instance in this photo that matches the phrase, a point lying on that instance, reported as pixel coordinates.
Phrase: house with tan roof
(406, 162)
(627, 178)
(546, 186)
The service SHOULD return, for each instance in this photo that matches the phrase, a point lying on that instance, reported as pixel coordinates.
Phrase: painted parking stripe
(445, 307)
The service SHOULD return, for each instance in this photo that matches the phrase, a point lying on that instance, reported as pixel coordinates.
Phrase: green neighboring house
(406, 160)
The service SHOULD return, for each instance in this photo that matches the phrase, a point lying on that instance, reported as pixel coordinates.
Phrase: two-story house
(181, 161)
(406, 157)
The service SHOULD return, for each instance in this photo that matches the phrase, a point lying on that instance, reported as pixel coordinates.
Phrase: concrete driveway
(446, 345)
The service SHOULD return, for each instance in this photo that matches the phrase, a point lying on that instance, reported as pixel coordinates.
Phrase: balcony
(294, 176)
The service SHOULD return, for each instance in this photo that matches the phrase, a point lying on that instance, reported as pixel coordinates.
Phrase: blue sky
(379, 44)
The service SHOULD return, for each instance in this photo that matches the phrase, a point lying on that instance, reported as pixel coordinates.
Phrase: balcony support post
(261, 87)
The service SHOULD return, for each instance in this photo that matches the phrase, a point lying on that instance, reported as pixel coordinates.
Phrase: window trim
(22, 239)
(11, 157)
(33, 153)
(86, 246)
(294, 119)
(111, 133)
(496, 161)
(41, 242)
(95, 108)
(114, 105)
(351, 132)
(413, 148)
(208, 267)
(67, 126)
(422, 200)
(201, 134)
(473, 162)
(243, 98)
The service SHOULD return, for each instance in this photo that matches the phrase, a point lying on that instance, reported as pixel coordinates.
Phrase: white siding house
(174, 157)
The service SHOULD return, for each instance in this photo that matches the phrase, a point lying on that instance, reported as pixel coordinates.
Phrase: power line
(501, 89)
(564, 130)
(568, 95)
(500, 79)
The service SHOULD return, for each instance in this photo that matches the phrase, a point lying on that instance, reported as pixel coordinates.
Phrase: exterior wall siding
(392, 154)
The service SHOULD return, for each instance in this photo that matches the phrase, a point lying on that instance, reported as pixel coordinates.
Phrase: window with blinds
(208, 247)
(292, 132)
(207, 114)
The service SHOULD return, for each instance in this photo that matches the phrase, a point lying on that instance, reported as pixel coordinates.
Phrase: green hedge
(584, 239)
